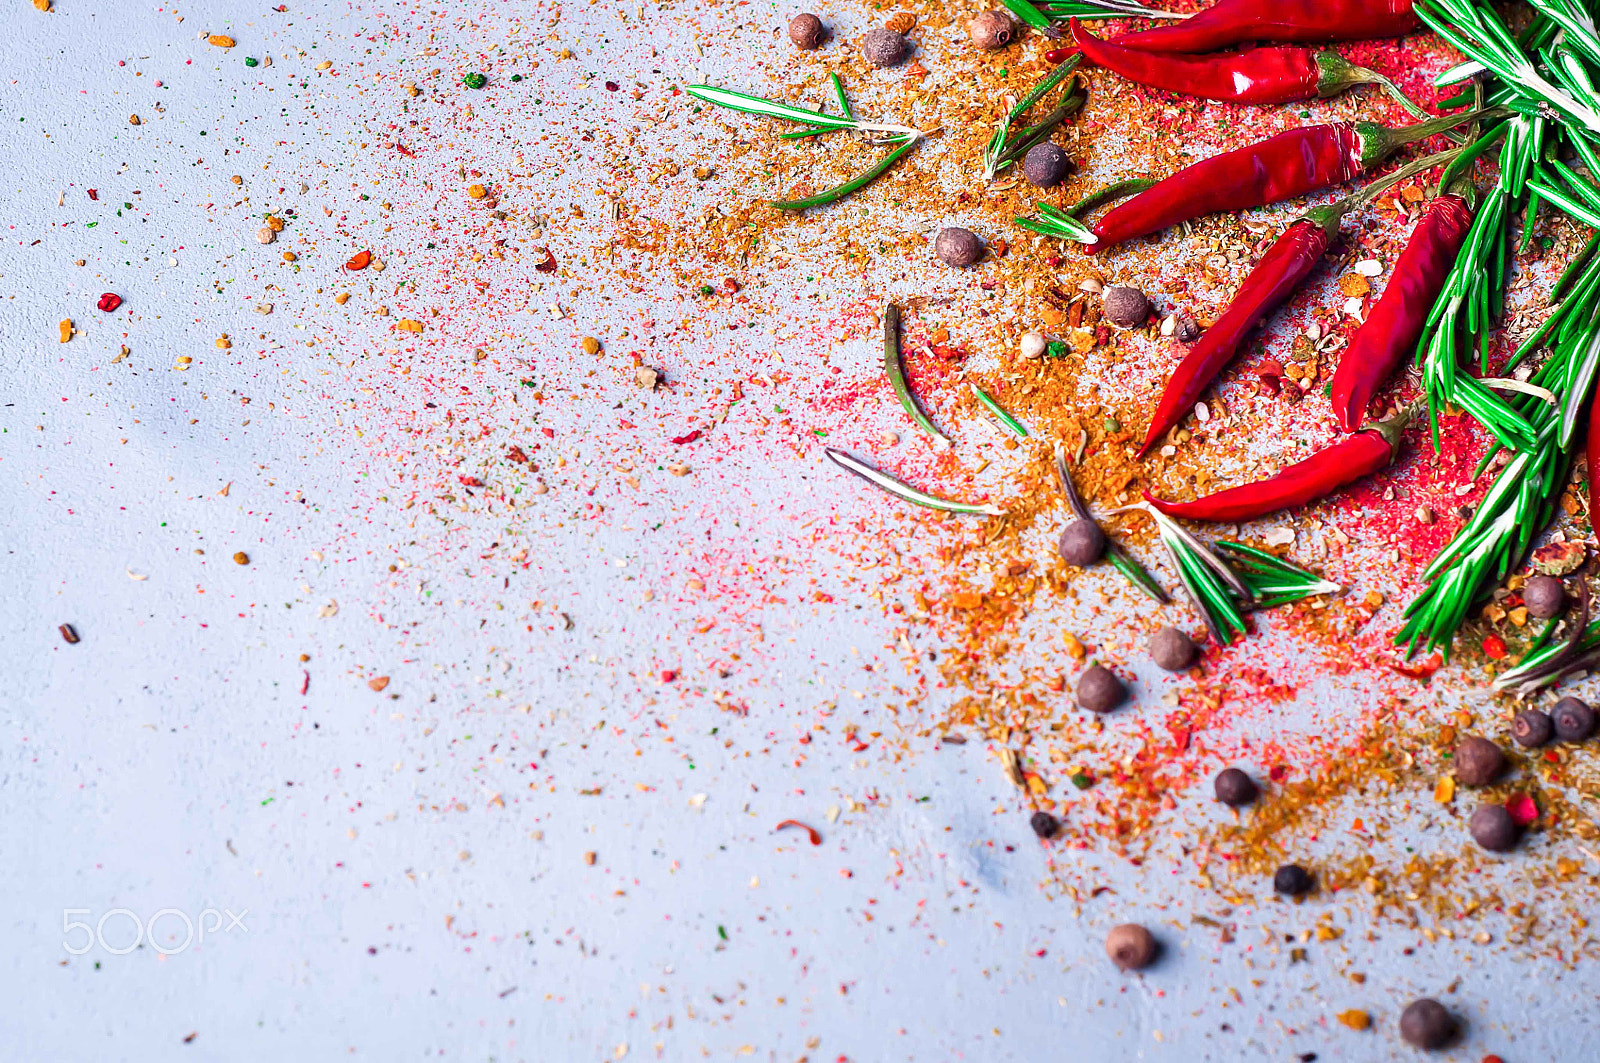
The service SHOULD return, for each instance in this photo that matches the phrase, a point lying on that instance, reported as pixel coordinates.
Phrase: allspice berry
(1099, 689)
(991, 30)
(1234, 788)
(1545, 597)
(1082, 543)
(806, 31)
(1532, 728)
(1044, 824)
(956, 246)
(1045, 165)
(1125, 307)
(1131, 947)
(1427, 1024)
(884, 47)
(1573, 720)
(1292, 879)
(1478, 761)
(1492, 827)
(1171, 649)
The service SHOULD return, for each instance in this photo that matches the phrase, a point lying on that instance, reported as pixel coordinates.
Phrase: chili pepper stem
(1336, 73)
(1378, 142)
(1331, 215)
(1392, 428)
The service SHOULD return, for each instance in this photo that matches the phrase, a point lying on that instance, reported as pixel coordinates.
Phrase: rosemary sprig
(1120, 559)
(895, 370)
(1041, 16)
(819, 122)
(740, 101)
(1213, 587)
(1545, 665)
(905, 491)
(1271, 580)
(1010, 423)
(1477, 31)
(994, 155)
(1055, 222)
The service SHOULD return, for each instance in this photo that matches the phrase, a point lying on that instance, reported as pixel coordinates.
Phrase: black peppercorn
(1292, 879)
(806, 31)
(1045, 165)
(1532, 728)
(1478, 761)
(1125, 307)
(1545, 597)
(1082, 543)
(1171, 649)
(1099, 690)
(1044, 824)
(1573, 719)
(1492, 827)
(1427, 1024)
(956, 246)
(884, 47)
(1131, 947)
(1235, 788)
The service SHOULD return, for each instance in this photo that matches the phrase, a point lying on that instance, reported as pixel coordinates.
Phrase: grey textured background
(169, 762)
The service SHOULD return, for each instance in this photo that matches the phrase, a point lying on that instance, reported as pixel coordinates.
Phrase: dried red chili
(1289, 261)
(1260, 75)
(1391, 329)
(109, 302)
(360, 261)
(1286, 166)
(1318, 476)
(1231, 22)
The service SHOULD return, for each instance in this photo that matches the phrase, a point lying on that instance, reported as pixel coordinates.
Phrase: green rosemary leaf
(740, 101)
(1136, 573)
(844, 101)
(1109, 194)
(1027, 13)
(905, 491)
(833, 195)
(1052, 222)
(1013, 425)
(1097, 9)
(894, 368)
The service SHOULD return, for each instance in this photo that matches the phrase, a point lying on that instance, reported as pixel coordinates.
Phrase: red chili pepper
(109, 302)
(1288, 262)
(1260, 75)
(1391, 329)
(360, 261)
(1286, 166)
(1231, 22)
(1304, 482)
